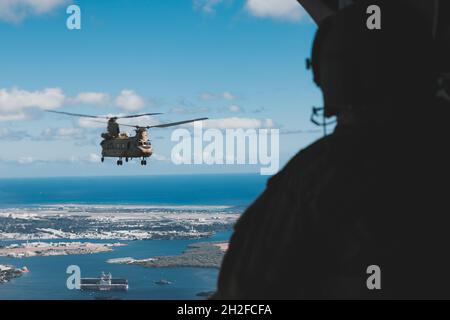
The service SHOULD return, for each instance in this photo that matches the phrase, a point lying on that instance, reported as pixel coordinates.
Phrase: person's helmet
(374, 71)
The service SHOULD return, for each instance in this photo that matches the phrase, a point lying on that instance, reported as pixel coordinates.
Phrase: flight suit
(367, 195)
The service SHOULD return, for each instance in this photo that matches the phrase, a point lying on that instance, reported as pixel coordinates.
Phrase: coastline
(8, 273)
(42, 249)
(47, 276)
(198, 255)
(115, 222)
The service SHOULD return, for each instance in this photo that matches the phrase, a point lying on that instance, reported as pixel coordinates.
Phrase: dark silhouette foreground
(372, 193)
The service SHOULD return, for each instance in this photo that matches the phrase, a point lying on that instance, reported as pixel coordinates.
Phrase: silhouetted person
(371, 193)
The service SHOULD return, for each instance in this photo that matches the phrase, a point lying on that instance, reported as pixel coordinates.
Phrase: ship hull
(95, 284)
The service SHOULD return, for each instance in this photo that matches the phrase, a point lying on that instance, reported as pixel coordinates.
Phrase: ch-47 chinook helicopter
(120, 145)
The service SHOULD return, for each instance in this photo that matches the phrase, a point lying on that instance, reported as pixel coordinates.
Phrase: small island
(7, 273)
(198, 255)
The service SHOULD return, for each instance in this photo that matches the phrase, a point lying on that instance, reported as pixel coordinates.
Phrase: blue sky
(220, 59)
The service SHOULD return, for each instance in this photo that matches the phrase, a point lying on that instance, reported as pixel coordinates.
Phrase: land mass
(119, 222)
(7, 273)
(198, 255)
(55, 249)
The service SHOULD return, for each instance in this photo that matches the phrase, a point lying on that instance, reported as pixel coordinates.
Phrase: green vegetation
(199, 255)
(8, 275)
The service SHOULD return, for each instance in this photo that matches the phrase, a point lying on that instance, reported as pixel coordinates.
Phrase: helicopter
(116, 144)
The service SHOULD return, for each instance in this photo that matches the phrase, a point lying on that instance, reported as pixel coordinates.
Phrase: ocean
(236, 190)
(47, 276)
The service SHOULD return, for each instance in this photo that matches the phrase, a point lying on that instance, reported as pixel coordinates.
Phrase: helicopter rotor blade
(99, 121)
(102, 117)
(166, 125)
(129, 125)
(76, 114)
(138, 115)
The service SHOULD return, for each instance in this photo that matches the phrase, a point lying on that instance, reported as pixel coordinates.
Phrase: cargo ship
(105, 283)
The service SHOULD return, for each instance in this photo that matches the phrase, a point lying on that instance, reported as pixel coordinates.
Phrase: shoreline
(8, 273)
(115, 222)
(197, 255)
(43, 249)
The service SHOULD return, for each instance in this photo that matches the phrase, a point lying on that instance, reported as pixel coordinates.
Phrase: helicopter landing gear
(119, 162)
(143, 162)
(103, 159)
(126, 159)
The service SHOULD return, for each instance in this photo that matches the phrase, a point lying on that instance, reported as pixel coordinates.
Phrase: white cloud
(88, 123)
(16, 11)
(94, 98)
(228, 96)
(208, 96)
(289, 10)
(235, 108)
(187, 110)
(238, 123)
(25, 160)
(130, 101)
(16, 99)
(13, 116)
(160, 157)
(18, 104)
(12, 135)
(278, 9)
(94, 158)
(14, 102)
(207, 6)
(45, 135)
(61, 134)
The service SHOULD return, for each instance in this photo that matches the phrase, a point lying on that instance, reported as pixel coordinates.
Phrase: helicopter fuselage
(124, 147)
